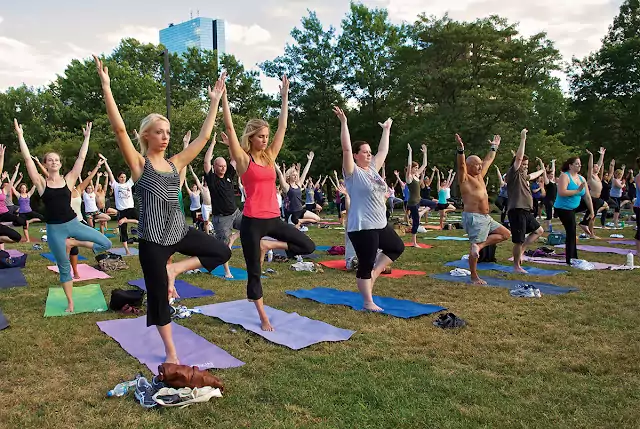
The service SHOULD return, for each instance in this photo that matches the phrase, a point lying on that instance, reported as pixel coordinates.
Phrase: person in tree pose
(551, 191)
(101, 195)
(7, 234)
(444, 193)
(206, 199)
(93, 212)
(525, 228)
(572, 187)
(367, 223)
(413, 182)
(594, 181)
(123, 195)
(502, 202)
(7, 214)
(162, 227)
(25, 211)
(292, 186)
(255, 160)
(6, 187)
(64, 230)
(483, 231)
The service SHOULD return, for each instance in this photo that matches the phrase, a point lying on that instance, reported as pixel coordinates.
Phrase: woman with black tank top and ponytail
(64, 230)
(162, 227)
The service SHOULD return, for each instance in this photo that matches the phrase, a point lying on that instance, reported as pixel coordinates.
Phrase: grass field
(568, 361)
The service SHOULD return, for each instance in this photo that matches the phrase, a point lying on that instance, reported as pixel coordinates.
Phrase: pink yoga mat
(14, 253)
(86, 273)
(330, 223)
(601, 249)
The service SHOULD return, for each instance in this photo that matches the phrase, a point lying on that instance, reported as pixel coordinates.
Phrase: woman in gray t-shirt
(366, 220)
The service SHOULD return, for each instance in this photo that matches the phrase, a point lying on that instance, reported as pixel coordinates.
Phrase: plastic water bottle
(270, 256)
(622, 224)
(629, 260)
(121, 389)
(550, 228)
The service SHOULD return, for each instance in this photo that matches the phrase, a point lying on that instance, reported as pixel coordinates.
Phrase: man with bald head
(482, 229)
(225, 214)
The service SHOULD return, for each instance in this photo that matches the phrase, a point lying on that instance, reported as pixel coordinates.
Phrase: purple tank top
(24, 204)
(3, 202)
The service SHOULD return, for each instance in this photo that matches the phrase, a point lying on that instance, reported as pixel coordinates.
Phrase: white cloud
(1, 19)
(247, 35)
(141, 33)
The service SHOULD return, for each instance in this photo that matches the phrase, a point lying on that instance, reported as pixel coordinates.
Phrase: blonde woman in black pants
(162, 228)
(367, 222)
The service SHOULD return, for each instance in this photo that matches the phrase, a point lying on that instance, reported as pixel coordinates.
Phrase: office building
(200, 33)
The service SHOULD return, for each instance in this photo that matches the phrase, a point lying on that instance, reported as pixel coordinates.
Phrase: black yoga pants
(251, 232)
(153, 260)
(129, 214)
(366, 244)
(568, 219)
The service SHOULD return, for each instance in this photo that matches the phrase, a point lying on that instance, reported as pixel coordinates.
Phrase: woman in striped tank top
(162, 227)
(255, 160)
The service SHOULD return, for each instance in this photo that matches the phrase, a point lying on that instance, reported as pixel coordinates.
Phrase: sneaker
(304, 229)
(144, 393)
(523, 291)
(449, 321)
(37, 247)
(157, 384)
(581, 264)
(584, 236)
(537, 293)
(299, 258)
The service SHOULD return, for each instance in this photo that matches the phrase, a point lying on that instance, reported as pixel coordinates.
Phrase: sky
(38, 41)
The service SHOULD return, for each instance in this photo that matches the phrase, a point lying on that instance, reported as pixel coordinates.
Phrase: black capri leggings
(153, 260)
(17, 220)
(251, 232)
(366, 244)
(568, 219)
(414, 211)
(129, 214)
(548, 208)
(10, 233)
(31, 215)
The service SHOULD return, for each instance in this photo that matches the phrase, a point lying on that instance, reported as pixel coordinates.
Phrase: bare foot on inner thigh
(478, 281)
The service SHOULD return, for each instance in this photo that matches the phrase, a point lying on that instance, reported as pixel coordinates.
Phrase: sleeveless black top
(57, 203)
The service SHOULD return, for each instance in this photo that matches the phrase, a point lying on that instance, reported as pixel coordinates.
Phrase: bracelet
(460, 151)
(494, 148)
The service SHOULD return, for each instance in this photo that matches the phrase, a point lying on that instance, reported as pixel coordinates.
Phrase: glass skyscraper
(200, 33)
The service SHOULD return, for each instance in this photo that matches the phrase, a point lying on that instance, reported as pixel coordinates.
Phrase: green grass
(569, 361)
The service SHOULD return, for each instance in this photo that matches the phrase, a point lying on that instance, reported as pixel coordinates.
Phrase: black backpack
(488, 254)
(122, 297)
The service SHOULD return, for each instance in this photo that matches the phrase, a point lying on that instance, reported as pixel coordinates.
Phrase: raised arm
(303, 176)
(438, 183)
(383, 147)
(195, 177)
(348, 165)
(461, 161)
(106, 167)
(449, 178)
(323, 181)
(408, 176)
(590, 168)
(183, 170)
(501, 181)
(398, 179)
(278, 138)
(89, 178)
(423, 149)
(520, 152)
(241, 157)
(132, 157)
(601, 151)
(283, 182)
(32, 170)
(540, 172)
(184, 158)
(488, 159)
(76, 172)
(208, 156)
(612, 168)
(43, 170)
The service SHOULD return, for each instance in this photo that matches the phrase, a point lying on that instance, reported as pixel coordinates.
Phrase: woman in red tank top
(255, 160)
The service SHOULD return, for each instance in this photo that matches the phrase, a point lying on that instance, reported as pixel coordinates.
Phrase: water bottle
(550, 228)
(629, 260)
(121, 389)
(270, 256)
(621, 224)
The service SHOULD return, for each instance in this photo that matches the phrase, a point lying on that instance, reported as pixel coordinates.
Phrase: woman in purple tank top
(24, 207)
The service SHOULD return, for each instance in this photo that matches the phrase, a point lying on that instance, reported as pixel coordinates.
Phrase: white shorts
(206, 211)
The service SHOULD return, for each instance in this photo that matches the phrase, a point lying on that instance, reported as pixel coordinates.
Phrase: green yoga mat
(86, 299)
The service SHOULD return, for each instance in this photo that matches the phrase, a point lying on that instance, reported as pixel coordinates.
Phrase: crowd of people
(279, 201)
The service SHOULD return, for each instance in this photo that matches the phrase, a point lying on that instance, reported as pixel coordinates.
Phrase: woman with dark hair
(572, 193)
(413, 173)
(367, 223)
(7, 234)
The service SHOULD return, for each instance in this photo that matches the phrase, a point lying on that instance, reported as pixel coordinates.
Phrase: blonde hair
(617, 173)
(144, 125)
(251, 129)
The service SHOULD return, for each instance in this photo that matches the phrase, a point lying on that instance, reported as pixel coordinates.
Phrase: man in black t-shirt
(225, 216)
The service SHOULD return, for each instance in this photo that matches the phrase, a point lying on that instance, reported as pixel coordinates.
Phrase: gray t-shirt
(367, 191)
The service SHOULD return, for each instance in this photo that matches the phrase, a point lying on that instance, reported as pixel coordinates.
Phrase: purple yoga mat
(552, 261)
(600, 249)
(14, 253)
(144, 343)
(291, 329)
(625, 242)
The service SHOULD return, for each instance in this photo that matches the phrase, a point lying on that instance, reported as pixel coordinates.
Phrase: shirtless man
(594, 180)
(101, 195)
(482, 229)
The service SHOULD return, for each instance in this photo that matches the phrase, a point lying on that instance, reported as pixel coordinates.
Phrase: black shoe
(449, 321)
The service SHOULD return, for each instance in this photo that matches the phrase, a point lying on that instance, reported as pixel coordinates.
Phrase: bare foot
(519, 270)
(266, 326)
(228, 275)
(475, 250)
(595, 237)
(172, 359)
(478, 281)
(371, 306)
(69, 308)
(76, 276)
(127, 253)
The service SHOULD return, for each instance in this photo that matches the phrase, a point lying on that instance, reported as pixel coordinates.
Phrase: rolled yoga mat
(291, 329)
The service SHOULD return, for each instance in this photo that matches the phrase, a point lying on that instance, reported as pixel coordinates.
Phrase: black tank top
(57, 203)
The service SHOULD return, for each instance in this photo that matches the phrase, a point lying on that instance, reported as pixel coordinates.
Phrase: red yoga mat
(420, 245)
(340, 264)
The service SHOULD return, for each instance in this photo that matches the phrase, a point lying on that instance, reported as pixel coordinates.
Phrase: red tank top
(260, 190)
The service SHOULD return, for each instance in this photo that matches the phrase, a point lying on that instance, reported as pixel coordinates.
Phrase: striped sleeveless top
(161, 221)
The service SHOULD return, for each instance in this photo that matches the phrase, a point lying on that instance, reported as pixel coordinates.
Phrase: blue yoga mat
(12, 277)
(237, 273)
(447, 238)
(122, 252)
(464, 263)
(322, 248)
(184, 289)
(49, 256)
(283, 253)
(545, 288)
(4, 323)
(393, 307)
